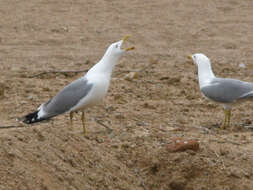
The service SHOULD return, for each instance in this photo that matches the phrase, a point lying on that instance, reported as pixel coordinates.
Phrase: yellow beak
(124, 39)
(189, 57)
(130, 48)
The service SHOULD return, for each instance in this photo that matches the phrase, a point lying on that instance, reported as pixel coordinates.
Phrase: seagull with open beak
(83, 92)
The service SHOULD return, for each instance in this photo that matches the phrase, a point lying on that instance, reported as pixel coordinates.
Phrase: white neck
(205, 74)
(105, 65)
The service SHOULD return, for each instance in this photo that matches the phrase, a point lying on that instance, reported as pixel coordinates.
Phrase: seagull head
(199, 59)
(115, 49)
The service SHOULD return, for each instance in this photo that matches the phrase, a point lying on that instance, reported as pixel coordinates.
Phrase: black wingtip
(32, 118)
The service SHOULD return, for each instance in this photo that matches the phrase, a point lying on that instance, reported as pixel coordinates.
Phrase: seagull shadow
(242, 127)
(12, 126)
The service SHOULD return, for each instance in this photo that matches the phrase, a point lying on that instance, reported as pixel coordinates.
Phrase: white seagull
(83, 92)
(225, 91)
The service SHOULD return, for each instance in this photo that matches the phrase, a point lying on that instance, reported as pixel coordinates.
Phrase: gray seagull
(83, 92)
(224, 91)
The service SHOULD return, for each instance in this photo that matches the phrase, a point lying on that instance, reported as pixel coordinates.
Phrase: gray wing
(228, 90)
(68, 97)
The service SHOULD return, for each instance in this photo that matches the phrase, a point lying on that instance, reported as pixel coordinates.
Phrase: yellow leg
(227, 113)
(223, 126)
(71, 117)
(83, 122)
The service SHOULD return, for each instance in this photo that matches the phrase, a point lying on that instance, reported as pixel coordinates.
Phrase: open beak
(124, 39)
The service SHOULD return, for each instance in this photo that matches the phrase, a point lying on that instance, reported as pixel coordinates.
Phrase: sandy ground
(145, 113)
